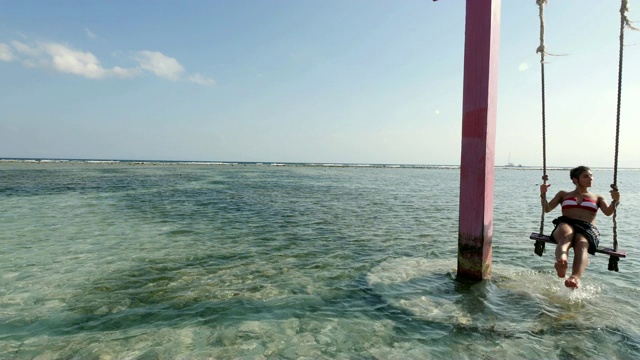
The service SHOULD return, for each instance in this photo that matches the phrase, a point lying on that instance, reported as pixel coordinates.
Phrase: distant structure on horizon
(510, 164)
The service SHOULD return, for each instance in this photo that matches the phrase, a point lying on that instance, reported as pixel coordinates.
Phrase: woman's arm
(609, 209)
(549, 205)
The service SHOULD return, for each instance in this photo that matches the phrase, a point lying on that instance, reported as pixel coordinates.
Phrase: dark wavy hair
(575, 172)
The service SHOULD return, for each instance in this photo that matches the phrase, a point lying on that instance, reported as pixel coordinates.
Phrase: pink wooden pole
(482, 38)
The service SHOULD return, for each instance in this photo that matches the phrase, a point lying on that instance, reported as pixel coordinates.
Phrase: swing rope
(624, 23)
(539, 246)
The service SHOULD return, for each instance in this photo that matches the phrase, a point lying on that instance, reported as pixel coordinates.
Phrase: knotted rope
(625, 22)
(539, 246)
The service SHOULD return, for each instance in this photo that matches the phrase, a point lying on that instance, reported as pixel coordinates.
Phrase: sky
(321, 81)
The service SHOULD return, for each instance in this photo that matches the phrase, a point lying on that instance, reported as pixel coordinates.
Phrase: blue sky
(330, 81)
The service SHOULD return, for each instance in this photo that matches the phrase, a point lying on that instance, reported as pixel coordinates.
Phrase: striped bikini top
(586, 204)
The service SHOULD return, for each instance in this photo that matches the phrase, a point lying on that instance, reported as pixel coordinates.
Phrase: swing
(602, 250)
(540, 238)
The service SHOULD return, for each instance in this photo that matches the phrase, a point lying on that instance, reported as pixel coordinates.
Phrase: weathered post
(482, 37)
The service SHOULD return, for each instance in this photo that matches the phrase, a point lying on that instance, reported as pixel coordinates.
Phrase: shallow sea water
(176, 261)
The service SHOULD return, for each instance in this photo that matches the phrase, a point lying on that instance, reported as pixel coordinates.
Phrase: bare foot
(561, 267)
(572, 282)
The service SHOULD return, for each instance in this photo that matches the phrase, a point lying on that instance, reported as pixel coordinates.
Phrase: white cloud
(5, 53)
(124, 73)
(89, 34)
(523, 66)
(25, 49)
(160, 64)
(30, 64)
(201, 80)
(68, 60)
(65, 59)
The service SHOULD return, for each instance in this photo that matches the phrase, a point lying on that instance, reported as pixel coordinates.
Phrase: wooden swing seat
(602, 250)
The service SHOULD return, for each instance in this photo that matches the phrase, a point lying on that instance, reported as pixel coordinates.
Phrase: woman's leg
(580, 261)
(563, 234)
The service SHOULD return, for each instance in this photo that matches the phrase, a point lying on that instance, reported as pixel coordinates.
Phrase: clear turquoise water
(175, 261)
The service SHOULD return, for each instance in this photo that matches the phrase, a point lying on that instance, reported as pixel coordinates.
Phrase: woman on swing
(576, 227)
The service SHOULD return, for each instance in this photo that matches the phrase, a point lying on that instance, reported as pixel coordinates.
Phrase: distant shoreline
(268, 164)
(219, 163)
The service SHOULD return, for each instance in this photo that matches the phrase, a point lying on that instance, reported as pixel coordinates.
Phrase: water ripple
(119, 261)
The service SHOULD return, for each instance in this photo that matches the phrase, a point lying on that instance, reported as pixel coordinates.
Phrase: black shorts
(587, 229)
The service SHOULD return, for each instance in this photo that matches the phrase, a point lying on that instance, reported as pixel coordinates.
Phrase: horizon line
(276, 163)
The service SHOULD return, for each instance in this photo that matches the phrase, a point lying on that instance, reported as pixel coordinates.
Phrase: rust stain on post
(473, 262)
